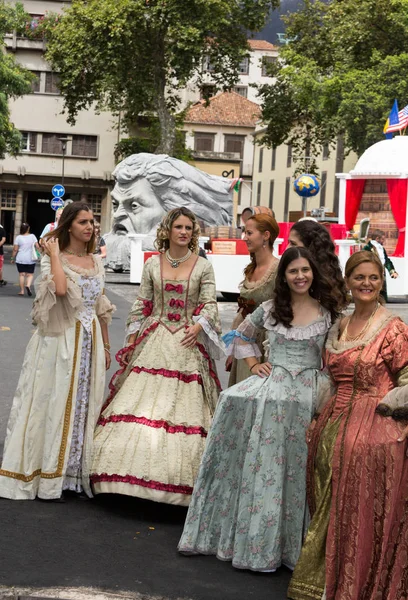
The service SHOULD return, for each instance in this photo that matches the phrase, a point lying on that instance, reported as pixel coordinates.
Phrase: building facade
(80, 156)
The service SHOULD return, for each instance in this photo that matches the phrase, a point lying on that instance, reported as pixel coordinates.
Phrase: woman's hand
(51, 246)
(262, 369)
(310, 429)
(127, 356)
(107, 359)
(190, 339)
(228, 363)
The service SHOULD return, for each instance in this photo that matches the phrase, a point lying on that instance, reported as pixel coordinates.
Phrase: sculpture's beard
(118, 247)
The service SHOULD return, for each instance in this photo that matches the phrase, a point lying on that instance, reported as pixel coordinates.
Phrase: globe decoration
(306, 186)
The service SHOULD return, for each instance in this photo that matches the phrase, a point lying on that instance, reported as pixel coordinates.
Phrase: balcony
(14, 43)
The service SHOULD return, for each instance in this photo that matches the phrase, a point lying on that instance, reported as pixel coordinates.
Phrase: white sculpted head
(149, 186)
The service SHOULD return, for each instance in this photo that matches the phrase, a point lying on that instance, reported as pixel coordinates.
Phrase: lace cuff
(55, 314)
(214, 344)
(239, 348)
(132, 328)
(395, 404)
(105, 309)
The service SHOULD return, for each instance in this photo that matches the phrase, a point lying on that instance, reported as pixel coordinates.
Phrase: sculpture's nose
(120, 213)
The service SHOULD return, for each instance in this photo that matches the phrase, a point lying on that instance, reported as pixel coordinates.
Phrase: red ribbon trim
(154, 485)
(210, 364)
(191, 430)
(172, 374)
(118, 356)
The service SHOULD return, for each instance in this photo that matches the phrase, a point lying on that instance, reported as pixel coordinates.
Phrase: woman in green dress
(261, 231)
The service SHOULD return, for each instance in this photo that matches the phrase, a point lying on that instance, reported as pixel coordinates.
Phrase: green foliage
(14, 80)
(339, 75)
(134, 56)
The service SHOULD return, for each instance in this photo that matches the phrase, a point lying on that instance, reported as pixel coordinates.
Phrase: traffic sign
(57, 203)
(58, 190)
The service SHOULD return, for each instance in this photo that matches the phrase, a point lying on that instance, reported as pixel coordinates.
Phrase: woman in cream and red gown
(357, 543)
(152, 431)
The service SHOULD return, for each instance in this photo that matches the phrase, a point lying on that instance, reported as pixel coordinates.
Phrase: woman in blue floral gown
(249, 501)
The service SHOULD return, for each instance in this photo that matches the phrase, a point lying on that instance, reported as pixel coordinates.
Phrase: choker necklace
(79, 254)
(175, 262)
(345, 337)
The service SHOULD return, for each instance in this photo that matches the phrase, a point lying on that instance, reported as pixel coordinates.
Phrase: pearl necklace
(175, 262)
(79, 254)
(346, 338)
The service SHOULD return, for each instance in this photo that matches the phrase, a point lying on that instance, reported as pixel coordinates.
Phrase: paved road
(111, 543)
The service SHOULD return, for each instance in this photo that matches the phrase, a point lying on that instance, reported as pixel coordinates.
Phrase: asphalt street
(114, 544)
(111, 543)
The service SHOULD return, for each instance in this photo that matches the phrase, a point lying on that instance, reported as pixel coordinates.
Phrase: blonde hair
(162, 241)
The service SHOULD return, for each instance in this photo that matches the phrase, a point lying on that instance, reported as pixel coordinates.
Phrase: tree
(14, 80)
(134, 56)
(338, 76)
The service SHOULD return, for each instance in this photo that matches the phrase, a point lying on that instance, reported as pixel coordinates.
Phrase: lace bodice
(91, 289)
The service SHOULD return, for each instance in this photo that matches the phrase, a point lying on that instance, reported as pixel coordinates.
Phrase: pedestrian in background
(51, 226)
(376, 244)
(60, 390)
(25, 255)
(2, 242)
(100, 245)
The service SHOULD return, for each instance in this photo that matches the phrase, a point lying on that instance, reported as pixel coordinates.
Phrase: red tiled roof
(261, 45)
(227, 108)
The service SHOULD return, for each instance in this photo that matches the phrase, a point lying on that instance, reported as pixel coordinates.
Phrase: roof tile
(227, 108)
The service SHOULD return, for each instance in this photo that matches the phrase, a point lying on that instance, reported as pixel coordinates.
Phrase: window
(242, 90)
(260, 163)
(258, 193)
(289, 157)
(323, 188)
(204, 142)
(207, 91)
(273, 162)
(234, 143)
(35, 84)
(51, 83)
(271, 190)
(95, 203)
(29, 141)
(243, 68)
(84, 145)
(207, 66)
(325, 154)
(51, 143)
(287, 192)
(8, 198)
(266, 61)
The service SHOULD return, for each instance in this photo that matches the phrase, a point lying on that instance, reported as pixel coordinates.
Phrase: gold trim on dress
(65, 430)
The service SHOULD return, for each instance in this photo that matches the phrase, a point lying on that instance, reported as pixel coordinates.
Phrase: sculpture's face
(136, 208)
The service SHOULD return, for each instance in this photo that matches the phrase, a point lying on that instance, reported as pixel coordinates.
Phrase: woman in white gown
(60, 391)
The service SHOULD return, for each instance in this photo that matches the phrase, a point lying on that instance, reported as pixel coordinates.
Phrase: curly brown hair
(61, 233)
(162, 241)
(317, 240)
(263, 223)
(321, 288)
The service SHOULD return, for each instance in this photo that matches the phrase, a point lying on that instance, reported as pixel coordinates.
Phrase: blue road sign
(57, 203)
(58, 190)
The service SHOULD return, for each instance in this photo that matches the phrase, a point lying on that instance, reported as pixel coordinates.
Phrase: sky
(275, 24)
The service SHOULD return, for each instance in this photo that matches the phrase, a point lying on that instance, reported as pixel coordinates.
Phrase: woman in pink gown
(357, 543)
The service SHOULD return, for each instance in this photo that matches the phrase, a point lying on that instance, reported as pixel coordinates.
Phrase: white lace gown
(60, 391)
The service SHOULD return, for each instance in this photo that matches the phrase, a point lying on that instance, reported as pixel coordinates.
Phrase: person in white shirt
(51, 226)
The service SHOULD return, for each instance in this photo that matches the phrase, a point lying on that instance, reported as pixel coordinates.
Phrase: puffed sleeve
(143, 305)
(206, 313)
(241, 342)
(105, 309)
(51, 313)
(395, 354)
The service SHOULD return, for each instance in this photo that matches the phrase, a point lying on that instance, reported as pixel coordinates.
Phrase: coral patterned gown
(152, 431)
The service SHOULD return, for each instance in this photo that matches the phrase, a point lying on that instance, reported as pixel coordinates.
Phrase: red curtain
(397, 192)
(354, 192)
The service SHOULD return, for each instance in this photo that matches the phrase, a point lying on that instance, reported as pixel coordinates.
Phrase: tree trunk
(167, 126)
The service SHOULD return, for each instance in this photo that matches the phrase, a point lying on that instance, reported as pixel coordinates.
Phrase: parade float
(147, 186)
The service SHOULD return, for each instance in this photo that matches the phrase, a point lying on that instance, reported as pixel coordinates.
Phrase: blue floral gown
(249, 501)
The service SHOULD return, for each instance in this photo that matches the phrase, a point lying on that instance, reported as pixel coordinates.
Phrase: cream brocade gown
(48, 446)
(152, 432)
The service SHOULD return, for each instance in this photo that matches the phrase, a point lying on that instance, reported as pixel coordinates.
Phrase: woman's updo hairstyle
(263, 223)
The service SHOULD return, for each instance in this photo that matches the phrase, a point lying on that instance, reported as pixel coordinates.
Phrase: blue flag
(393, 119)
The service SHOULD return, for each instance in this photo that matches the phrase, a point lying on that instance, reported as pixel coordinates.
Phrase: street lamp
(64, 140)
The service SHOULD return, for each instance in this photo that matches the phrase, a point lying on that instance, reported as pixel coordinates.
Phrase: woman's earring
(264, 244)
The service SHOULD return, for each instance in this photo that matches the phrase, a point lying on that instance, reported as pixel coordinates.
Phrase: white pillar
(345, 250)
(342, 197)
